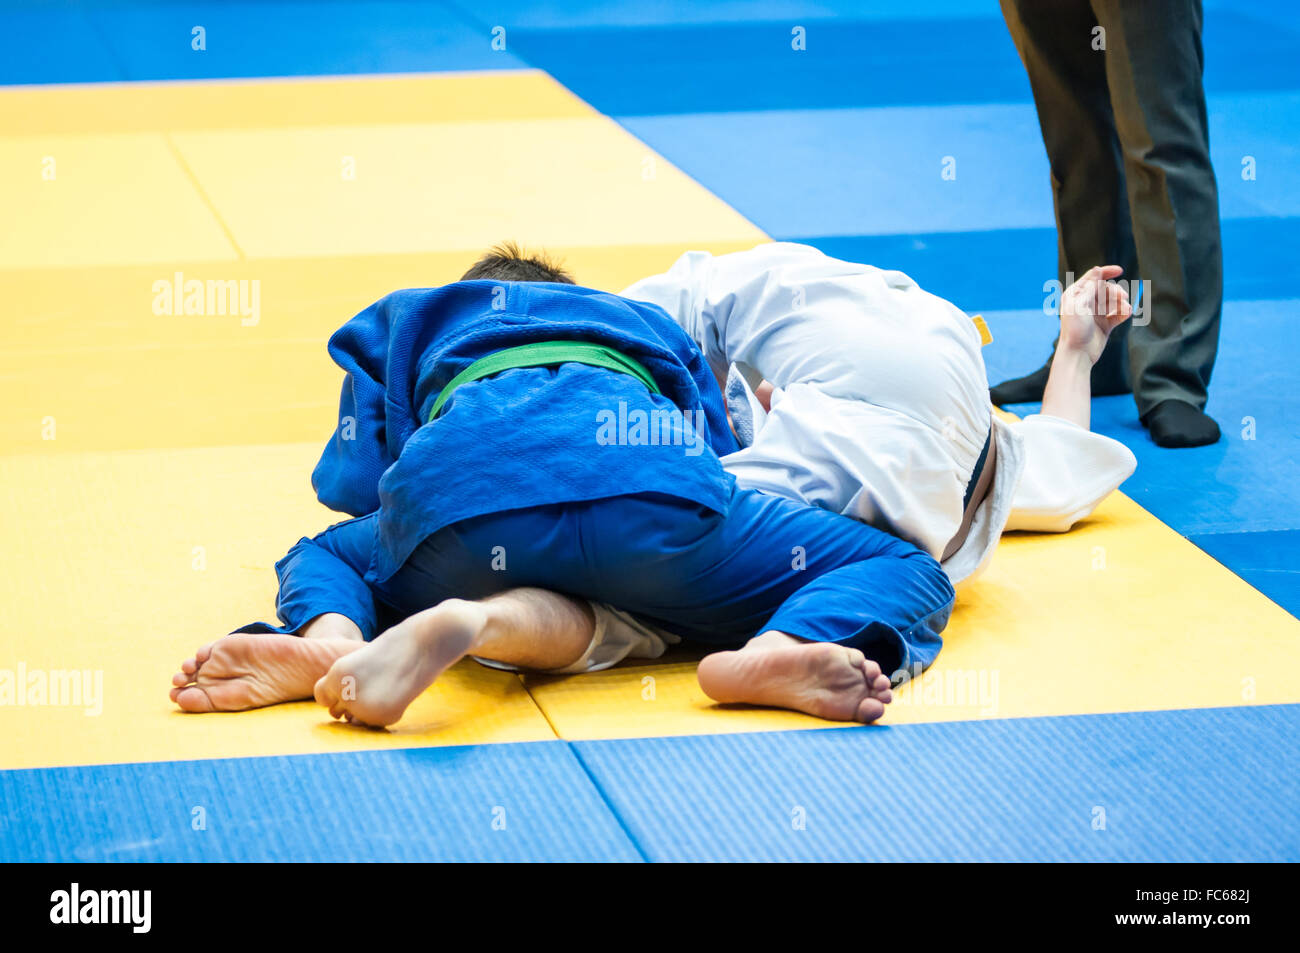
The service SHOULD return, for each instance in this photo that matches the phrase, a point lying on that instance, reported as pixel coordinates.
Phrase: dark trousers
(1127, 138)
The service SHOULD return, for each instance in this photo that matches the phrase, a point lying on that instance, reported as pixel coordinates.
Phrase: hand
(1091, 308)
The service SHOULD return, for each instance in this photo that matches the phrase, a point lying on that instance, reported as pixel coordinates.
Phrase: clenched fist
(1091, 308)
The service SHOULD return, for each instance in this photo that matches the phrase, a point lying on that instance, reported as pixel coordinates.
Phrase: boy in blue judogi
(505, 436)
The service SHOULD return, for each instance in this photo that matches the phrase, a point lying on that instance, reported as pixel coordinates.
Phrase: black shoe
(1176, 423)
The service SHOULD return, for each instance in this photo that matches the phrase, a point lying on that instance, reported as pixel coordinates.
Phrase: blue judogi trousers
(714, 578)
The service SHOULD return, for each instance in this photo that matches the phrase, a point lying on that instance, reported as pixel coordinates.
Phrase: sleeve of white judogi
(1068, 472)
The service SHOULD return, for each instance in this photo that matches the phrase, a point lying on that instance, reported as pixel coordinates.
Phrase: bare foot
(374, 685)
(820, 678)
(250, 670)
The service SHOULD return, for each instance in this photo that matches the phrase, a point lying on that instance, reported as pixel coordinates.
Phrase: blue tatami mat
(524, 801)
(689, 57)
(847, 59)
(710, 67)
(54, 43)
(116, 40)
(1006, 268)
(971, 168)
(1269, 561)
(1214, 784)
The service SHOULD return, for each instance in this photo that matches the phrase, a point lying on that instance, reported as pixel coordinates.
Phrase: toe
(180, 679)
(324, 693)
(870, 709)
(193, 700)
(204, 653)
(189, 666)
(234, 694)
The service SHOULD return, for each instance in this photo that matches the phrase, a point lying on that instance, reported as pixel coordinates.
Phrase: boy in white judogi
(879, 404)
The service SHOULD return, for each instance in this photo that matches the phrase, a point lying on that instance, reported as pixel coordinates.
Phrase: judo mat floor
(1127, 691)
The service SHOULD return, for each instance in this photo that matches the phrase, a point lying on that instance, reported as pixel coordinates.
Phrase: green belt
(543, 354)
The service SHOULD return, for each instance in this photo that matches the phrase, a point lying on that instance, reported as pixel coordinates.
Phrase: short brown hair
(507, 262)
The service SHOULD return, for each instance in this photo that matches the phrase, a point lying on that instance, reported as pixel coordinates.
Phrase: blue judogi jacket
(525, 437)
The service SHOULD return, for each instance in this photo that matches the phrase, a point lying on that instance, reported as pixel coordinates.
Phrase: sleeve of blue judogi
(326, 574)
(347, 477)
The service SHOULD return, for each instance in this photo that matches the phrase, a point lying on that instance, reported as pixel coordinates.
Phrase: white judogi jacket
(881, 404)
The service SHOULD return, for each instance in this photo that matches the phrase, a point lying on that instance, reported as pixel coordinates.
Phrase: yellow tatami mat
(402, 188)
(86, 364)
(423, 164)
(1122, 614)
(300, 202)
(121, 564)
(90, 200)
(285, 103)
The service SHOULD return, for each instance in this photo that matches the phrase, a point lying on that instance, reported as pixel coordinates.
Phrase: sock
(1176, 423)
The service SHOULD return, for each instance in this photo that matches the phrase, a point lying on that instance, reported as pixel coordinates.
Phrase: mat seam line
(105, 41)
(538, 705)
(604, 796)
(591, 778)
(203, 195)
